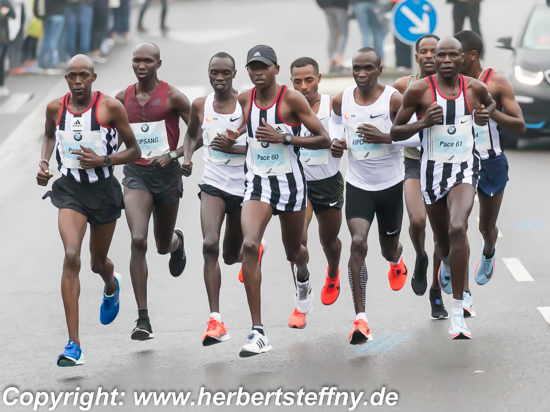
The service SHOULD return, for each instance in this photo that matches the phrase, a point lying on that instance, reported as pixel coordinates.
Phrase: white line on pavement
(517, 270)
(14, 103)
(545, 312)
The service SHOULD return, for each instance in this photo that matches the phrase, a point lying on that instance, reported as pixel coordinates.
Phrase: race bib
(360, 150)
(152, 138)
(269, 159)
(451, 143)
(71, 141)
(217, 157)
(482, 137)
(313, 157)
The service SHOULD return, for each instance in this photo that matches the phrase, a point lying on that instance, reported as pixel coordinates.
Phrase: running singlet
(488, 136)
(449, 157)
(319, 164)
(371, 167)
(274, 174)
(75, 129)
(221, 170)
(156, 128)
(412, 152)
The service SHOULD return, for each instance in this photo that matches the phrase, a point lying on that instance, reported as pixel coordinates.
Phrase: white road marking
(545, 312)
(499, 232)
(199, 37)
(192, 92)
(517, 270)
(14, 102)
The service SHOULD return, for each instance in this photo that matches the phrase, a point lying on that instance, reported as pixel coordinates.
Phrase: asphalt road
(505, 367)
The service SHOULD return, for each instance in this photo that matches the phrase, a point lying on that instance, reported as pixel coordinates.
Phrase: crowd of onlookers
(39, 36)
(374, 17)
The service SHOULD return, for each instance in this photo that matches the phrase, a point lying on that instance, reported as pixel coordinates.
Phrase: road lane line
(14, 103)
(545, 312)
(400, 340)
(517, 270)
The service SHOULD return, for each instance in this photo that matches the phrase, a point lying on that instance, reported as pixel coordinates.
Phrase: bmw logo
(78, 137)
(451, 130)
(265, 145)
(144, 128)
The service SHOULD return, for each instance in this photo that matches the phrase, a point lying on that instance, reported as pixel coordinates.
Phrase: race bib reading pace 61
(451, 143)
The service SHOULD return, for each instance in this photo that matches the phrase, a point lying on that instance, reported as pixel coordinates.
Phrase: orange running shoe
(263, 248)
(397, 275)
(297, 320)
(331, 290)
(215, 333)
(361, 334)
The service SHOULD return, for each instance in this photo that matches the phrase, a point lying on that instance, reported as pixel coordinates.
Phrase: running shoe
(485, 269)
(303, 299)
(444, 276)
(361, 333)
(297, 320)
(71, 356)
(419, 283)
(458, 329)
(178, 258)
(109, 308)
(397, 275)
(468, 305)
(331, 290)
(215, 333)
(143, 330)
(256, 344)
(436, 302)
(263, 249)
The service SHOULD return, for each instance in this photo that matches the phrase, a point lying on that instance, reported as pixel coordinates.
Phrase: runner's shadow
(71, 379)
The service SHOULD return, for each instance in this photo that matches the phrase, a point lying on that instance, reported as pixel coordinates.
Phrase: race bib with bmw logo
(361, 150)
(312, 157)
(220, 158)
(451, 143)
(72, 140)
(482, 137)
(152, 138)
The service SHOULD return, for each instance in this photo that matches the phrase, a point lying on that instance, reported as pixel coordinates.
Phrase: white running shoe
(303, 300)
(458, 329)
(485, 268)
(468, 305)
(256, 345)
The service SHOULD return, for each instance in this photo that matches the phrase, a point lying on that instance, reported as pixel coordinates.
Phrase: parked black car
(530, 73)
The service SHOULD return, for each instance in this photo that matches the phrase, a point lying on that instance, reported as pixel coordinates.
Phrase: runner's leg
(233, 237)
(330, 221)
(417, 215)
(292, 228)
(309, 216)
(489, 208)
(100, 241)
(359, 230)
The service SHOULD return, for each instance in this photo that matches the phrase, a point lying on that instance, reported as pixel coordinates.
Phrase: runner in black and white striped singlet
(275, 180)
(493, 175)
(450, 164)
(82, 127)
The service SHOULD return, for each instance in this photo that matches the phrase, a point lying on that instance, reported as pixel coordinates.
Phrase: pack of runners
(432, 140)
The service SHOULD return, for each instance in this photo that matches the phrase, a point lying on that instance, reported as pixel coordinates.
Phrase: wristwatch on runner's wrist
(107, 161)
(173, 155)
(288, 138)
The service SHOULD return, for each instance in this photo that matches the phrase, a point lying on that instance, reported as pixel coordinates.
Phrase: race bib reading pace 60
(152, 138)
(71, 141)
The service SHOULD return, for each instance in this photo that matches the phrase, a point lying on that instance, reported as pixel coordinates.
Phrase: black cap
(261, 53)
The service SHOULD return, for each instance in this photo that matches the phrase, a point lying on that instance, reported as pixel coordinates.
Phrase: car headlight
(528, 77)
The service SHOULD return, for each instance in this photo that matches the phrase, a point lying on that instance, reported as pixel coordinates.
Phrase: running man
(325, 184)
(153, 185)
(82, 127)
(493, 175)
(425, 57)
(443, 104)
(275, 181)
(374, 179)
(222, 185)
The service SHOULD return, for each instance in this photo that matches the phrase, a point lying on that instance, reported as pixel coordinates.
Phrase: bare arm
(119, 120)
(48, 142)
(120, 96)
(193, 137)
(401, 84)
(179, 104)
(512, 118)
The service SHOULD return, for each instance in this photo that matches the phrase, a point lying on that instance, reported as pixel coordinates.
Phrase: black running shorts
(412, 169)
(232, 202)
(101, 202)
(327, 193)
(386, 204)
(165, 184)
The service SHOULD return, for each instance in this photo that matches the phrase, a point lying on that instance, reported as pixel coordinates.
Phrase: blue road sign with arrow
(413, 19)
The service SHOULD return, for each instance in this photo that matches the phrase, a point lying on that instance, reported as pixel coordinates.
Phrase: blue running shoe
(71, 356)
(485, 269)
(468, 305)
(110, 305)
(444, 276)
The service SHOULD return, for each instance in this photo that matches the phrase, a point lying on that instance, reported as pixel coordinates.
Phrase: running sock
(216, 316)
(364, 278)
(260, 329)
(395, 263)
(361, 315)
(143, 313)
(457, 304)
(305, 280)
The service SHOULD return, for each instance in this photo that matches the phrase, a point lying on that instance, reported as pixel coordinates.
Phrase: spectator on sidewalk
(52, 13)
(163, 14)
(6, 12)
(121, 28)
(403, 52)
(35, 32)
(336, 12)
(463, 9)
(369, 15)
(79, 14)
(99, 29)
(18, 28)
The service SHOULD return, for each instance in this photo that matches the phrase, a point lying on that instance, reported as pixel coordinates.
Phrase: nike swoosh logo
(374, 117)
(465, 121)
(322, 118)
(234, 120)
(392, 233)
(333, 204)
